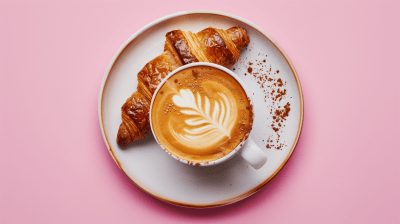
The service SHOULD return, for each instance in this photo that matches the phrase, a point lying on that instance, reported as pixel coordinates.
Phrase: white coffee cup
(247, 148)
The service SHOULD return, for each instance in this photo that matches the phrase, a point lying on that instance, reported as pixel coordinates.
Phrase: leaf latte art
(201, 114)
(205, 126)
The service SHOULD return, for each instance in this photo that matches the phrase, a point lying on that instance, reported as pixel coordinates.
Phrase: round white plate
(158, 174)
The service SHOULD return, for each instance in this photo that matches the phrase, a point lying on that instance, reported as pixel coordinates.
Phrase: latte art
(201, 114)
(215, 125)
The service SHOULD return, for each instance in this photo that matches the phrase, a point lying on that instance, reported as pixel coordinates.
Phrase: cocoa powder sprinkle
(275, 93)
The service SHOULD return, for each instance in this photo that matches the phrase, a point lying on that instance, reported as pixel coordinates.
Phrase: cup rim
(195, 64)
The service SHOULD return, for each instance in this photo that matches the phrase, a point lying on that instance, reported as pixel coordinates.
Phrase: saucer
(276, 92)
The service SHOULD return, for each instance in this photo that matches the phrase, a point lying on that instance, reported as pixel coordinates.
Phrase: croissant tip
(246, 37)
(123, 136)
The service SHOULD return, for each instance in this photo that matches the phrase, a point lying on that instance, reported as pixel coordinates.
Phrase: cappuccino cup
(202, 115)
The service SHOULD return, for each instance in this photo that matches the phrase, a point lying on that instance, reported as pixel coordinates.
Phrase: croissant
(181, 47)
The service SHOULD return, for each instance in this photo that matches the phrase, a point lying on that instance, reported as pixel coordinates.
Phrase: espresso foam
(201, 114)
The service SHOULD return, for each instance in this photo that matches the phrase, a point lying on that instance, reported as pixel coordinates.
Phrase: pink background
(54, 165)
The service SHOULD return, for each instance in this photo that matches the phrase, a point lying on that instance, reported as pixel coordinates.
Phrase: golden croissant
(181, 47)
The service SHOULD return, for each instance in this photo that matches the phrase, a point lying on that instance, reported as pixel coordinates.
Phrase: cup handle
(253, 154)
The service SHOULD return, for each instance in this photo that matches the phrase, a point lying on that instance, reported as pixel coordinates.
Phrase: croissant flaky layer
(181, 47)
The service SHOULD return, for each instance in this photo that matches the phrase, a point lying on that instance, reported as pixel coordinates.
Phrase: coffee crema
(201, 114)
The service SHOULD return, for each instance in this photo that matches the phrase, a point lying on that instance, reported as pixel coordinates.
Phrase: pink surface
(55, 168)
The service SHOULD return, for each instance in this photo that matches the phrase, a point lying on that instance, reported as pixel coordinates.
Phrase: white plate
(158, 174)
